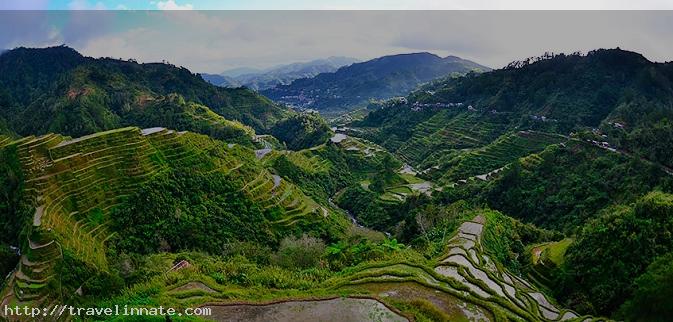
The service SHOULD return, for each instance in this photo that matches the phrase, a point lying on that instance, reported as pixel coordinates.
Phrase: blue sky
(213, 41)
(337, 4)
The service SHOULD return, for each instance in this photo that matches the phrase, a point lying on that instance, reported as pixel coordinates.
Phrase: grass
(556, 251)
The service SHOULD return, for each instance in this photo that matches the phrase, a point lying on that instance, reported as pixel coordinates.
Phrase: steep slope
(621, 93)
(379, 78)
(58, 90)
(86, 199)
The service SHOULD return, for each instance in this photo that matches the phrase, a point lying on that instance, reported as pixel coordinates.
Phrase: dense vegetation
(543, 190)
(302, 131)
(615, 249)
(652, 296)
(58, 90)
(209, 212)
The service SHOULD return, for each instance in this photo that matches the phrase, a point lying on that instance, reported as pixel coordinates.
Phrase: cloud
(213, 41)
(171, 5)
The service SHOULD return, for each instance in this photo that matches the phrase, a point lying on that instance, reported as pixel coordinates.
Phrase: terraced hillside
(75, 185)
(466, 283)
(479, 285)
(506, 149)
(444, 133)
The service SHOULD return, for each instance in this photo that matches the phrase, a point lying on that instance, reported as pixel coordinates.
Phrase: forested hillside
(58, 90)
(621, 93)
(576, 144)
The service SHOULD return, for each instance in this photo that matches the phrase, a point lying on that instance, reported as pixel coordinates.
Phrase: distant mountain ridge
(378, 78)
(260, 79)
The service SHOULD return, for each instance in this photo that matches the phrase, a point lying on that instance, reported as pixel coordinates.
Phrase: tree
(653, 297)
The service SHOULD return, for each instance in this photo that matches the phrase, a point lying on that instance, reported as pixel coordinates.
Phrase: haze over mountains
(379, 78)
(260, 79)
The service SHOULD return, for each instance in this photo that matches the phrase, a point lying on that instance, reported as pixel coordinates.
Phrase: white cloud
(171, 5)
(213, 41)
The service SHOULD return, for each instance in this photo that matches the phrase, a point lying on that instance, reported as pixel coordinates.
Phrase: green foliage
(58, 90)
(364, 205)
(563, 187)
(8, 260)
(653, 142)
(653, 296)
(302, 253)
(354, 251)
(317, 177)
(504, 238)
(174, 113)
(497, 154)
(302, 131)
(13, 211)
(184, 211)
(613, 250)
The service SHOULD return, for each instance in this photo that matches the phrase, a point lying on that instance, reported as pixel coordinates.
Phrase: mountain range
(378, 78)
(261, 79)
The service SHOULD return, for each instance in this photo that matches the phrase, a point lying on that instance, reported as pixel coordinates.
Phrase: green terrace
(464, 283)
(75, 184)
(482, 161)
(444, 132)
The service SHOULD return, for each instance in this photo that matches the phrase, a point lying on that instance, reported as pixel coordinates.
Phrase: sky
(214, 41)
(337, 4)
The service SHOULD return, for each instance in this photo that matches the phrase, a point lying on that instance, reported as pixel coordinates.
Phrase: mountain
(378, 78)
(235, 72)
(279, 75)
(619, 93)
(58, 90)
(220, 80)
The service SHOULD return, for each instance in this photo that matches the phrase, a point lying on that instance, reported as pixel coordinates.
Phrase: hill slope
(58, 90)
(378, 78)
(82, 202)
(623, 94)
